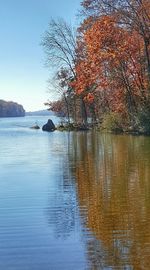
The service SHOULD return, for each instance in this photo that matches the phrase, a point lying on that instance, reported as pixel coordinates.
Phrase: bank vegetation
(103, 66)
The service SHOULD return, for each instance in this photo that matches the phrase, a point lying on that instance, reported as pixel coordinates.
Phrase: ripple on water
(73, 200)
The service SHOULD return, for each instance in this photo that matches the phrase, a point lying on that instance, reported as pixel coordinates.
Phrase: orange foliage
(89, 98)
(110, 60)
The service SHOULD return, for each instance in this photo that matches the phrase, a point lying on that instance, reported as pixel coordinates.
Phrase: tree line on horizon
(103, 66)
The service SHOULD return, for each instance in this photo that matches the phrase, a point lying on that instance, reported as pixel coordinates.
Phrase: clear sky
(23, 77)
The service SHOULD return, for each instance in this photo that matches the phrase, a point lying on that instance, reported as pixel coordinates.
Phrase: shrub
(144, 120)
(112, 122)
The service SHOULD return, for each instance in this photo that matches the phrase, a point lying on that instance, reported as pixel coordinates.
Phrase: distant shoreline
(39, 113)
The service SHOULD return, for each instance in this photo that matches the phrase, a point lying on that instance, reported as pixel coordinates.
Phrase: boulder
(49, 126)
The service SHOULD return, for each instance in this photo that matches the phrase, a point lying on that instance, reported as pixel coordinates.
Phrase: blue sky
(23, 77)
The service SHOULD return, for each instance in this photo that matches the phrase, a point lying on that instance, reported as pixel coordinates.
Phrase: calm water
(73, 201)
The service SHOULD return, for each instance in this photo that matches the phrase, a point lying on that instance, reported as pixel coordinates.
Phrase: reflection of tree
(63, 210)
(106, 177)
(62, 214)
(112, 174)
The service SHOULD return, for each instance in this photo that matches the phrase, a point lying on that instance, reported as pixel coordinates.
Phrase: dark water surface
(73, 201)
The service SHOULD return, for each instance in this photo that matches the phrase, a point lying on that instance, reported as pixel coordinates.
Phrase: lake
(73, 200)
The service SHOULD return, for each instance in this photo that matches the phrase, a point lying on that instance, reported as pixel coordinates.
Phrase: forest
(11, 109)
(102, 68)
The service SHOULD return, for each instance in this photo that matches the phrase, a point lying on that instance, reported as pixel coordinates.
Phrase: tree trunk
(84, 112)
(67, 107)
(148, 62)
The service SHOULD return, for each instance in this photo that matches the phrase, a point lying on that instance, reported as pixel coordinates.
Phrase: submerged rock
(49, 126)
(35, 127)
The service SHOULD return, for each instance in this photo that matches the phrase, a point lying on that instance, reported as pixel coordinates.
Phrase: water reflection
(112, 176)
(63, 211)
(76, 201)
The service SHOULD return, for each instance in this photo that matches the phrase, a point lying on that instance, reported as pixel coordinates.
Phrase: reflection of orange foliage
(113, 186)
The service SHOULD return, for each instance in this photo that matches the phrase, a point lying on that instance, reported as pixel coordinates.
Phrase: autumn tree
(132, 14)
(105, 65)
(59, 43)
(59, 86)
(115, 54)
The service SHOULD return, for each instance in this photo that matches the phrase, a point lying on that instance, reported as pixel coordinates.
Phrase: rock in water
(49, 126)
(35, 127)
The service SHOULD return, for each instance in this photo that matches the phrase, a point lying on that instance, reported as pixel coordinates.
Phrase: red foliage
(111, 61)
